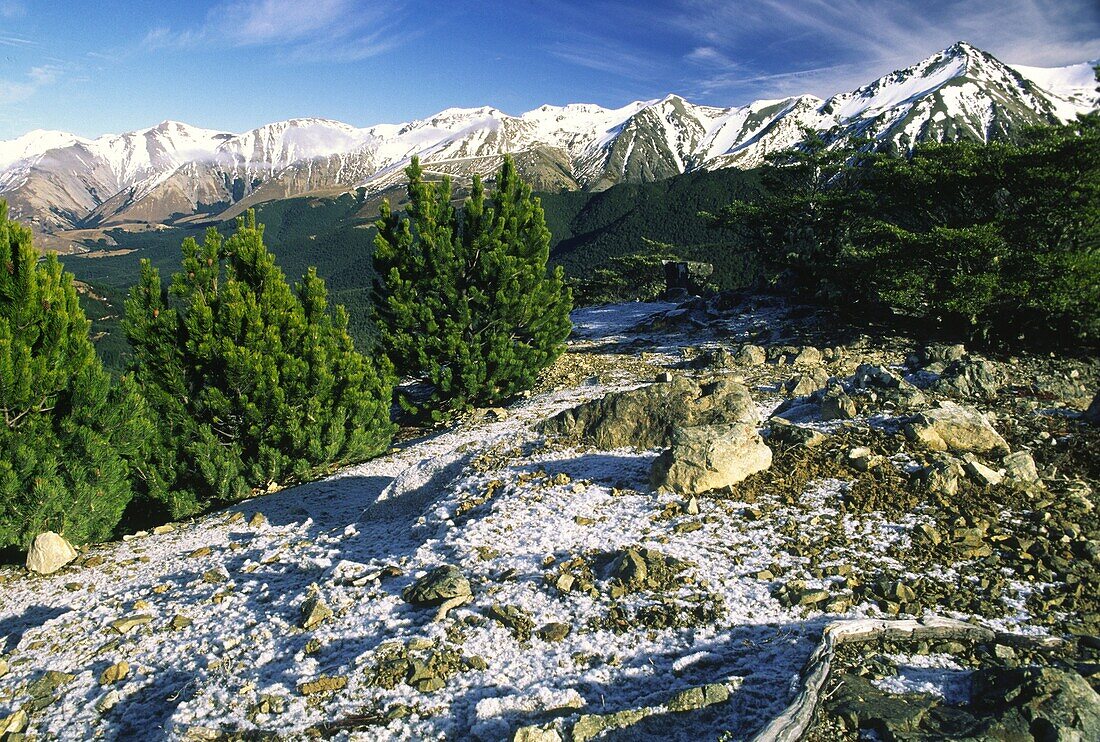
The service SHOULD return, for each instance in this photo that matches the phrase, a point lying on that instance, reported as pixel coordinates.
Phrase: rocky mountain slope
(173, 173)
(923, 523)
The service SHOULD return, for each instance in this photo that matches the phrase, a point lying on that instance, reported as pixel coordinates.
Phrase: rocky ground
(650, 546)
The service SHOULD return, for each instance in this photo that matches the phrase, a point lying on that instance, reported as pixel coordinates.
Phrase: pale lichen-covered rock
(646, 417)
(751, 355)
(1020, 468)
(710, 457)
(537, 734)
(49, 553)
(953, 427)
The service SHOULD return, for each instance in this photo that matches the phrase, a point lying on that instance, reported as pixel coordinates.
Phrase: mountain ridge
(173, 171)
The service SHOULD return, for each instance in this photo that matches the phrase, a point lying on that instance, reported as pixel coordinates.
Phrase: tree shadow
(13, 628)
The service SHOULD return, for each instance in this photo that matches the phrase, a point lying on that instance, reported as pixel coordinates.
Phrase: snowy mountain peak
(153, 175)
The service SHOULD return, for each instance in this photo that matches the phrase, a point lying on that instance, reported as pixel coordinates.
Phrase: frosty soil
(509, 509)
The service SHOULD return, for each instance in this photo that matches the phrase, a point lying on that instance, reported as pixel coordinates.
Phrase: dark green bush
(255, 385)
(466, 302)
(73, 442)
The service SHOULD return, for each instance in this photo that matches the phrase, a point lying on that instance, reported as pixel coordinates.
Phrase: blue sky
(110, 66)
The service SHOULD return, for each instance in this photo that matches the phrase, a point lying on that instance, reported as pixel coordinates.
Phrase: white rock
(49, 553)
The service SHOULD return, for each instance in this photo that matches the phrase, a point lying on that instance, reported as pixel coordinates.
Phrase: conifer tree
(255, 384)
(72, 441)
(466, 301)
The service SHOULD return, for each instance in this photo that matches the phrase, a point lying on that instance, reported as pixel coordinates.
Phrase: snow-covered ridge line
(60, 181)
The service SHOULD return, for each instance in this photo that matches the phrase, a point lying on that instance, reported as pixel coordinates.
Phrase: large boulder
(438, 586)
(953, 427)
(49, 553)
(710, 457)
(646, 417)
(970, 377)
(1046, 702)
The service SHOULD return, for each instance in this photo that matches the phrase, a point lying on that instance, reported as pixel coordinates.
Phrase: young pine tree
(466, 301)
(255, 384)
(72, 441)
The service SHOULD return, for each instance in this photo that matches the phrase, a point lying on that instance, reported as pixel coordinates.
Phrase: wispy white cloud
(311, 30)
(12, 9)
(605, 55)
(732, 52)
(13, 91)
(18, 42)
(783, 47)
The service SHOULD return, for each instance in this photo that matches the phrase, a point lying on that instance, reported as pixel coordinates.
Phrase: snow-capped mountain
(172, 172)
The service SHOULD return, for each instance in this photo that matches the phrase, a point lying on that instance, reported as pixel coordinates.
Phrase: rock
(258, 520)
(1020, 468)
(953, 427)
(646, 417)
(1092, 414)
(441, 584)
(874, 376)
(630, 569)
(941, 353)
(663, 378)
(698, 697)
(861, 458)
(200, 552)
(449, 605)
(129, 623)
(806, 383)
(1051, 703)
(982, 474)
(108, 702)
(179, 622)
(536, 734)
(269, 703)
(496, 414)
(323, 684)
(565, 581)
(314, 610)
(554, 631)
(836, 405)
(114, 673)
(782, 430)
(163, 529)
(49, 553)
(215, 576)
(589, 726)
(514, 618)
(941, 477)
(969, 377)
(862, 706)
(3, 667)
(13, 724)
(705, 458)
(810, 596)
(751, 355)
(807, 356)
(47, 685)
(691, 507)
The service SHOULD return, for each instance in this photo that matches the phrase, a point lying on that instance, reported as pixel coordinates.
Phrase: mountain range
(72, 190)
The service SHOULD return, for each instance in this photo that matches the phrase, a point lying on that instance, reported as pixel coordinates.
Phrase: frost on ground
(213, 641)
